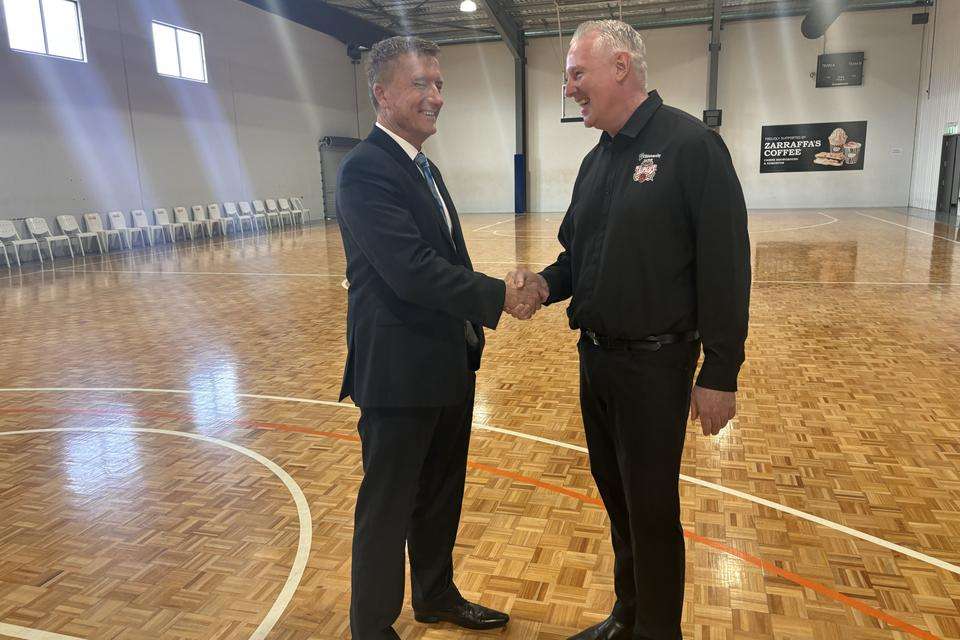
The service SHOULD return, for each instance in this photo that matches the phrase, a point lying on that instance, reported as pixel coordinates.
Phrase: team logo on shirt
(646, 171)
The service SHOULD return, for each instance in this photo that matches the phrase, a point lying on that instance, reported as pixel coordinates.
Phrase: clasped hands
(526, 293)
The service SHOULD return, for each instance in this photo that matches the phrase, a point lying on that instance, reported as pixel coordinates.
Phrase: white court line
(522, 237)
(494, 224)
(564, 445)
(303, 513)
(259, 274)
(27, 633)
(809, 226)
(830, 220)
(186, 392)
(926, 233)
(806, 282)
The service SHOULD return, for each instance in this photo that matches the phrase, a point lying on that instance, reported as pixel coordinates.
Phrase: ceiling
(443, 22)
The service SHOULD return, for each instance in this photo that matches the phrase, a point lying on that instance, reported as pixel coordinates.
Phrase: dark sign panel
(840, 69)
(824, 146)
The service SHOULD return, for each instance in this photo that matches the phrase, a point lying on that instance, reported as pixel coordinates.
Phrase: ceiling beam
(507, 27)
(418, 21)
(325, 18)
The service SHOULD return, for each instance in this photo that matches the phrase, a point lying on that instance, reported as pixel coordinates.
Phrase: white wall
(476, 135)
(765, 80)
(112, 134)
(941, 105)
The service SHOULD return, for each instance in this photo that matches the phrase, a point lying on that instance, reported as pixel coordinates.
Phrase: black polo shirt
(655, 239)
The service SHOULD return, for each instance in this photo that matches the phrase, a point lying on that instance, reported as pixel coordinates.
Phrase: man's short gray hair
(383, 54)
(617, 36)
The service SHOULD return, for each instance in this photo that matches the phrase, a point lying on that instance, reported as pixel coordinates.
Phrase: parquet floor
(172, 463)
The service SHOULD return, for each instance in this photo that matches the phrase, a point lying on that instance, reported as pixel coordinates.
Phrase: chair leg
(16, 253)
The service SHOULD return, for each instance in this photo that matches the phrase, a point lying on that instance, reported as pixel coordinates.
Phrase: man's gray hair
(617, 36)
(383, 55)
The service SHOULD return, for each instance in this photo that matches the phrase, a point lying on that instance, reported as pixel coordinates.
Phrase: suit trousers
(635, 406)
(414, 469)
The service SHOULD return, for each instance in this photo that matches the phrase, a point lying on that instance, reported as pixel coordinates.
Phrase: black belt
(650, 343)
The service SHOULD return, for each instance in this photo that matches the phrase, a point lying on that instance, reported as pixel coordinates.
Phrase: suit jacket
(412, 285)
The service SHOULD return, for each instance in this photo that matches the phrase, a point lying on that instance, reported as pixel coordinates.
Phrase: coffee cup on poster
(837, 139)
(851, 152)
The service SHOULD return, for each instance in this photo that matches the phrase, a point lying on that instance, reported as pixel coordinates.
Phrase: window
(179, 52)
(47, 27)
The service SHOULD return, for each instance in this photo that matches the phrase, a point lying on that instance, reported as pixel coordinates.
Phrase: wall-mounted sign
(823, 146)
(840, 69)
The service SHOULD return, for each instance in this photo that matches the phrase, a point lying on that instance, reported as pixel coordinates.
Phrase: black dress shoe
(609, 629)
(464, 614)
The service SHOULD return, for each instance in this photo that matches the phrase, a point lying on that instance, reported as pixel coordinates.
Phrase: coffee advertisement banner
(822, 146)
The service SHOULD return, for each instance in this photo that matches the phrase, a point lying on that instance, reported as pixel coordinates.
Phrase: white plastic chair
(296, 215)
(258, 218)
(261, 210)
(70, 228)
(163, 219)
(200, 215)
(149, 231)
(181, 216)
(95, 225)
(230, 209)
(283, 215)
(218, 220)
(298, 204)
(40, 230)
(118, 222)
(10, 238)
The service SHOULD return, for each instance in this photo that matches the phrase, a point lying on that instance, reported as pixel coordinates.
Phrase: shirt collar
(408, 148)
(640, 117)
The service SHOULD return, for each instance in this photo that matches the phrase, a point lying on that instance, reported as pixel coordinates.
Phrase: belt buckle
(593, 338)
(655, 344)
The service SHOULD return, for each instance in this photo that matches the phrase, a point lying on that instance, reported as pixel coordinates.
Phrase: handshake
(526, 292)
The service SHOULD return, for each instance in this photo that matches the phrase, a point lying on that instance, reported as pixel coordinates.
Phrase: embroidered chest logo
(646, 171)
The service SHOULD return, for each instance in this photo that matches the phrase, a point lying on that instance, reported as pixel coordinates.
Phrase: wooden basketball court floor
(175, 465)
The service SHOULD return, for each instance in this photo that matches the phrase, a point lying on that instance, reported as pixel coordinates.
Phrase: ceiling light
(468, 6)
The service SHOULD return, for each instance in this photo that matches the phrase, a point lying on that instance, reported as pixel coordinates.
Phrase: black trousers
(414, 469)
(635, 406)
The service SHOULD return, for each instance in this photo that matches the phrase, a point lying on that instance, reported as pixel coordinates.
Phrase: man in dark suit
(414, 337)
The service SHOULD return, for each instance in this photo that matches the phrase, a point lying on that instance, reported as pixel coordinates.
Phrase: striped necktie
(424, 165)
(469, 332)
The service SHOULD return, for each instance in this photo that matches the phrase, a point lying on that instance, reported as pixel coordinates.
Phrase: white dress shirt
(412, 152)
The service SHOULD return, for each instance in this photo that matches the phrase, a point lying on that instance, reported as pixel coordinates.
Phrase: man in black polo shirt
(656, 258)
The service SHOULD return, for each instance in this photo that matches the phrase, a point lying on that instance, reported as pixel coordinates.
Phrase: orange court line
(694, 537)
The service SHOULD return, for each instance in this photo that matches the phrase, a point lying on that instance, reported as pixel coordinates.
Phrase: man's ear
(379, 92)
(621, 61)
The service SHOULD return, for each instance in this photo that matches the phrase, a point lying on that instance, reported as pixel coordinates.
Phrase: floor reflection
(806, 261)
